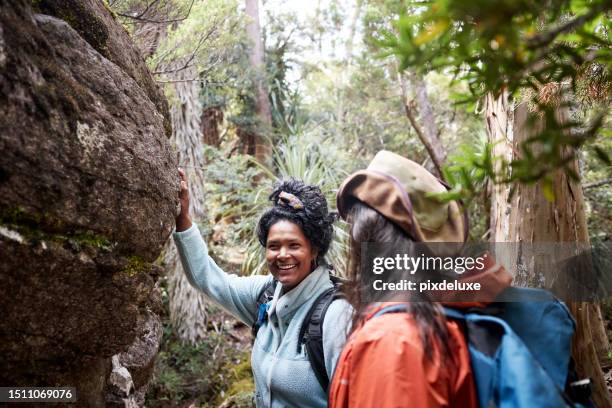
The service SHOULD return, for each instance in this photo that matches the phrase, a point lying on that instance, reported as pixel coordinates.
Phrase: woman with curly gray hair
(300, 330)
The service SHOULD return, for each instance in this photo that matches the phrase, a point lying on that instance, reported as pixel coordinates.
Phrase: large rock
(88, 194)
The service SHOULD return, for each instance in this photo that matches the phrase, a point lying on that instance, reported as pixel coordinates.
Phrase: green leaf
(548, 190)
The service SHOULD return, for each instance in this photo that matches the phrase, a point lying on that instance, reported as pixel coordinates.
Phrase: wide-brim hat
(404, 192)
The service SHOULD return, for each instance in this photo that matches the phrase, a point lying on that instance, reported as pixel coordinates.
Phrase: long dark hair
(369, 226)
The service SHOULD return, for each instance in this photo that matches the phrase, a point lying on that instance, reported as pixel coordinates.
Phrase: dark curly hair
(315, 221)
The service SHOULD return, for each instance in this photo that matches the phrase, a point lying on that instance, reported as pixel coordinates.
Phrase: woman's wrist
(183, 223)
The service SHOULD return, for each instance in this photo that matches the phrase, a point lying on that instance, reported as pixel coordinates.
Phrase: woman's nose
(282, 253)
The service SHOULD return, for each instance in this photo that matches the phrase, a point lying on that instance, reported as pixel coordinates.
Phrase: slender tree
(421, 118)
(262, 104)
(187, 304)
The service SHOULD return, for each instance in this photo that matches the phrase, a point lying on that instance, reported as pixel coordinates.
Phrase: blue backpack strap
(399, 308)
(265, 296)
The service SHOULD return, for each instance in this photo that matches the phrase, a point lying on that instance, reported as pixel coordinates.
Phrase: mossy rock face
(96, 23)
(80, 17)
(88, 194)
(83, 143)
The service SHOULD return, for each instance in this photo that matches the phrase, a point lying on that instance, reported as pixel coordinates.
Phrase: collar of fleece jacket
(285, 304)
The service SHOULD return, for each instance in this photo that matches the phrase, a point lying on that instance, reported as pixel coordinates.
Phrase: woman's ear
(314, 262)
(315, 254)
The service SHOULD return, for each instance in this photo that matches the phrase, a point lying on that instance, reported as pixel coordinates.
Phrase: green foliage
(206, 37)
(135, 266)
(599, 199)
(468, 176)
(288, 116)
(235, 202)
(215, 370)
(201, 372)
(503, 43)
(470, 171)
(522, 46)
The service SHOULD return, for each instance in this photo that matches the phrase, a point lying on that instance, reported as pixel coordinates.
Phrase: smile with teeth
(286, 267)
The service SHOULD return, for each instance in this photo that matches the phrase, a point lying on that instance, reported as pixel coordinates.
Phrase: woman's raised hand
(183, 221)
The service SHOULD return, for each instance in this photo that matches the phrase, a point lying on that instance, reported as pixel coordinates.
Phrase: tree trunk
(247, 141)
(426, 115)
(527, 217)
(187, 304)
(345, 73)
(211, 119)
(262, 104)
(429, 134)
(499, 121)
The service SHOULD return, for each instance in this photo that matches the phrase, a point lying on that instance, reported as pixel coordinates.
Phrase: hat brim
(385, 194)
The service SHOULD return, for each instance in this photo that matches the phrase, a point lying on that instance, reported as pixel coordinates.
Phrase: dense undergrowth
(215, 372)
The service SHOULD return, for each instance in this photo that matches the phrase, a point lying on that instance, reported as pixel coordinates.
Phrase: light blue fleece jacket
(283, 375)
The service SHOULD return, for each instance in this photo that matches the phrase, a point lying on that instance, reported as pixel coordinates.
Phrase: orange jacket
(384, 365)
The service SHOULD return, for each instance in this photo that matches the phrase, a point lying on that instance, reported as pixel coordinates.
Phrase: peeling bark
(187, 304)
(499, 121)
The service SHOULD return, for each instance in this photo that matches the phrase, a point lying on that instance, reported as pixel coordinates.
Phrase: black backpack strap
(311, 332)
(337, 281)
(578, 390)
(264, 297)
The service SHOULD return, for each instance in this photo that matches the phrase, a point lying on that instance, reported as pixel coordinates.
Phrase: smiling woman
(289, 254)
(296, 232)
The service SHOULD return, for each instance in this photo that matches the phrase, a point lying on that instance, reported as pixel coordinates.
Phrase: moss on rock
(135, 266)
(80, 17)
(44, 227)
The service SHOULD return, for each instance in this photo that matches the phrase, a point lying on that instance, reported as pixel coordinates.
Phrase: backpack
(311, 331)
(520, 349)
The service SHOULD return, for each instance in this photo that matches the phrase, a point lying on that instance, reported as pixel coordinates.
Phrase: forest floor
(216, 372)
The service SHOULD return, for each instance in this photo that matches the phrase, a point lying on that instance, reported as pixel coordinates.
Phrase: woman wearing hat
(296, 232)
(415, 357)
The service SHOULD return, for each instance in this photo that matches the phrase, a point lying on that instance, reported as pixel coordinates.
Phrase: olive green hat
(401, 189)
